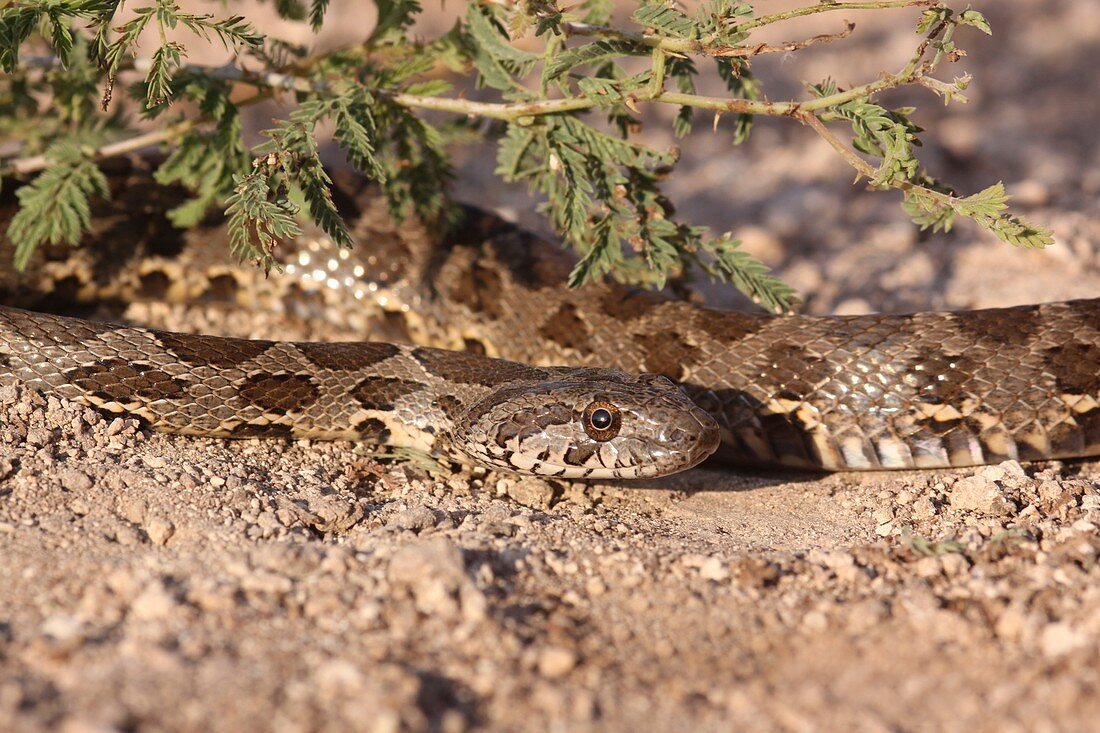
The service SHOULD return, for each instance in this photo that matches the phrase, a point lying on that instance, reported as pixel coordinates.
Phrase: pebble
(153, 604)
(416, 519)
(532, 492)
(556, 662)
(159, 530)
(978, 494)
(714, 569)
(433, 571)
(1059, 639)
(73, 479)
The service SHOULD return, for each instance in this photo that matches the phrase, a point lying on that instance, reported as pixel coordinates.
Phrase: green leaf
(55, 206)
(975, 19)
(356, 133)
(317, 14)
(588, 54)
(989, 202)
(749, 275)
(496, 59)
(16, 26)
(256, 224)
(666, 21)
(394, 16)
(430, 88)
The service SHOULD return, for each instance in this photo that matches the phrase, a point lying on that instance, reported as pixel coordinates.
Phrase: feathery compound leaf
(514, 159)
(749, 275)
(394, 16)
(666, 21)
(496, 59)
(1017, 232)
(257, 224)
(317, 14)
(989, 202)
(927, 211)
(590, 53)
(16, 26)
(356, 133)
(54, 207)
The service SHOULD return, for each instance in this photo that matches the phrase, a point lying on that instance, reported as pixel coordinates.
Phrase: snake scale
(919, 390)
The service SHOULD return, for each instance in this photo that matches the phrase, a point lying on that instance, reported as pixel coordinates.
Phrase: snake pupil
(601, 419)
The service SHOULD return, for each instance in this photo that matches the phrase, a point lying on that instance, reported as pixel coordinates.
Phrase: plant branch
(704, 47)
(826, 7)
(35, 163)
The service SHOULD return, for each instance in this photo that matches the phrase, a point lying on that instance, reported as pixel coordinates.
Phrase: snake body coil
(859, 392)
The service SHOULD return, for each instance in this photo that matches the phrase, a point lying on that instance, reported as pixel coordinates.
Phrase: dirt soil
(154, 583)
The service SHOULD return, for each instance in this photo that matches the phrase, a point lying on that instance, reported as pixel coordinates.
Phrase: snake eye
(602, 421)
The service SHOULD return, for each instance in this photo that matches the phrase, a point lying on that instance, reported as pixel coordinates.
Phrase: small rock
(954, 564)
(1059, 638)
(1006, 470)
(160, 530)
(132, 509)
(923, 508)
(64, 632)
(928, 567)
(978, 494)
(555, 662)
(433, 572)
(154, 603)
(416, 519)
(73, 479)
(532, 492)
(713, 569)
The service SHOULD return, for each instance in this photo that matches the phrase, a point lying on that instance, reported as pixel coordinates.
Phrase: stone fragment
(555, 662)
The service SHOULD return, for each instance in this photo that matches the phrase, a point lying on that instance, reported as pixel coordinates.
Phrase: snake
(488, 359)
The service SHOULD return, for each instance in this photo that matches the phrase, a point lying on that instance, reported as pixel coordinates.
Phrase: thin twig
(35, 163)
(703, 47)
(827, 7)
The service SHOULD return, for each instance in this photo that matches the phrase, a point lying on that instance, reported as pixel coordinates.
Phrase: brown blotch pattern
(119, 380)
(450, 406)
(479, 289)
(567, 329)
(221, 352)
(667, 353)
(154, 284)
(347, 355)
(1014, 326)
(472, 369)
(530, 260)
(380, 393)
(252, 430)
(474, 346)
(578, 455)
(221, 289)
(798, 370)
(279, 393)
(728, 327)
(1076, 367)
(627, 305)
(943, 379)
(372, 430)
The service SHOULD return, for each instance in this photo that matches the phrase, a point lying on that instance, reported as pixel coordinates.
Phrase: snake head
(587, 423)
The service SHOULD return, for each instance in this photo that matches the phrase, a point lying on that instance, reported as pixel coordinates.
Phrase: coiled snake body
(838, 393)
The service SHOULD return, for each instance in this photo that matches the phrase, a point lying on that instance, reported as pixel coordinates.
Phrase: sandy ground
(152, 583)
